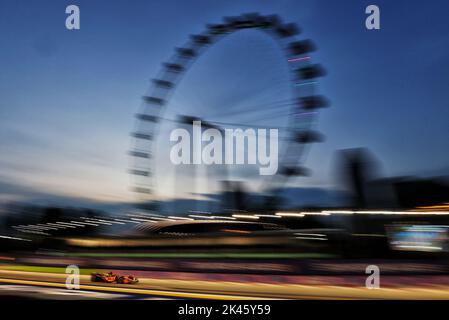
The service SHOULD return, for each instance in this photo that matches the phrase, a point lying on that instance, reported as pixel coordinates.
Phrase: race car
(111, 277)
(129, 279)
(103, 277)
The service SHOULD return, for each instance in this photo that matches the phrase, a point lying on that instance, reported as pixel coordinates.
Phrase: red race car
(111, 277)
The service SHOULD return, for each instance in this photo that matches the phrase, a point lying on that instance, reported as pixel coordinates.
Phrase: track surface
(51, 285)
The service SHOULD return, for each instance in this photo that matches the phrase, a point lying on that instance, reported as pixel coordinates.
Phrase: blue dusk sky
(68, 98)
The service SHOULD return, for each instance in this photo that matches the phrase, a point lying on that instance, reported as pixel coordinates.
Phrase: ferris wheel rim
(296, 53)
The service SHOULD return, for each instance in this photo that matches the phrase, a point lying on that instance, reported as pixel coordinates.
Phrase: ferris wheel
(303, 104)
